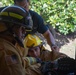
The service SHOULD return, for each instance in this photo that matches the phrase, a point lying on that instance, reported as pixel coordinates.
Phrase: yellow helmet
(32, 41)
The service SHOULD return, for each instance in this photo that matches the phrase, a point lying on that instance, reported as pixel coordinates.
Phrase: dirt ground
(67, 44)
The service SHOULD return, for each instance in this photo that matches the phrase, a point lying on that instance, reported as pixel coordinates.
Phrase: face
(20, 32)
(24, 4)
(34, 52)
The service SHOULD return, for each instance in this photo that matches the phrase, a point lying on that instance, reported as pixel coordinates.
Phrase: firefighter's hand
(55, 48)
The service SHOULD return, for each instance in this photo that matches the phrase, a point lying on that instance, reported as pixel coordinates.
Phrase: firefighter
(35, 48)
(14, 24)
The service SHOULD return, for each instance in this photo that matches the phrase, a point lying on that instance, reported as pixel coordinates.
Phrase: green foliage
(61, 14)
(7, 2)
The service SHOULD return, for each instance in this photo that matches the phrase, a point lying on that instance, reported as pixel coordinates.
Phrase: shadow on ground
(64, 39)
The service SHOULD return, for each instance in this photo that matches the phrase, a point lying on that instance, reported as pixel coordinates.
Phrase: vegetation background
(61, 15)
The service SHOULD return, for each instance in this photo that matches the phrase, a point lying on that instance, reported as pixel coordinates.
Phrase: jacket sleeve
(29, 61)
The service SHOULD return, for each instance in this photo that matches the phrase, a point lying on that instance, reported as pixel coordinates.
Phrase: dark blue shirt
(38, 23)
